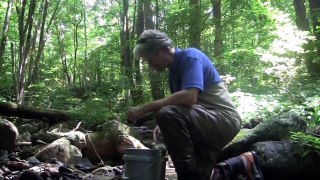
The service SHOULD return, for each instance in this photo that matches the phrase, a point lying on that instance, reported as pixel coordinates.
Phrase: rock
(33, 160)
(84, 165)
(108, 141)
(283, 160)
(44, 136)
(60, 128)
(275, 129)
(29, 151)
(24, 137)
(18, 165)
(76, 153)
(76, 138)
(108, 171)
(30, 127)
(127, 141)
(60, 149)
(117, 128)
(101, 144)
(8, 135)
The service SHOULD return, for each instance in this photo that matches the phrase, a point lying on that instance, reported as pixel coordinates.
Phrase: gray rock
(283, 160)
(76, 138)
(275, 129)
(33, 160)
(60, 149)
(8, 135)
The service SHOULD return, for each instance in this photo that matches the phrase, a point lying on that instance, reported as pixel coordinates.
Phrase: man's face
(158, 61)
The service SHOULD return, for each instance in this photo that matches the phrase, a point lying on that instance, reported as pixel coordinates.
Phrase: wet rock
(84, 165)
(284, 160)
(60, 149)
(108, 171)
(8, 135)
(275, 129)
(29, 151)
(33, 161)
(127, 141)
(27, 175)
(18, 165)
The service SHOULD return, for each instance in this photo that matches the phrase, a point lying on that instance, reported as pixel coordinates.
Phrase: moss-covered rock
(283, 160)
(275, 129)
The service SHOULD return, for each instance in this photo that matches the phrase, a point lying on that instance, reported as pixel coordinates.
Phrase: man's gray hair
(150, 42)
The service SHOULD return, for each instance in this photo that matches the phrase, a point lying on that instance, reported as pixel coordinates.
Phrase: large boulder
(285, 160)
(109, 142)
(8, 135)
(60, 149)
(275, 129)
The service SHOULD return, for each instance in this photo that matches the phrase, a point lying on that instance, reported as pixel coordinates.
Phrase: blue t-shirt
(191, 68)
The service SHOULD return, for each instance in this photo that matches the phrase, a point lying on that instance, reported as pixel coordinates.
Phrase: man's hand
(135, 113)
(156, 133)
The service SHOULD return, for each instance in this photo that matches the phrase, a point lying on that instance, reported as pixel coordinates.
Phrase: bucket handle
(155, 161)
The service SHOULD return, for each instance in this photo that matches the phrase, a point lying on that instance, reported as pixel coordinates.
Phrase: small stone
(33, 160)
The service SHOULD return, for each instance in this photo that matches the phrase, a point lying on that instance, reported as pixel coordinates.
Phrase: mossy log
(46, 115)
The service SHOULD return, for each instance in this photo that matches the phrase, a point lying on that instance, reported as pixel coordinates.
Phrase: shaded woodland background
(76, 55)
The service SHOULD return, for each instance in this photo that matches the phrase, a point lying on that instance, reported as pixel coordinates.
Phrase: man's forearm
(184, 97)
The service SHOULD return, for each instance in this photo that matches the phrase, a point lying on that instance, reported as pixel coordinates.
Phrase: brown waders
(194, 136)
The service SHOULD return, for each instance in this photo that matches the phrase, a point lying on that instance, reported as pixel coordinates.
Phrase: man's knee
(165, 114)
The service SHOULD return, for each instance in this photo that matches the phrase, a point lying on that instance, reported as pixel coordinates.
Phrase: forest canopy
(76, 55)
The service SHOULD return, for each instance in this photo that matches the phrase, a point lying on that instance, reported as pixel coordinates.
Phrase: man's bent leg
(194, 136)
(176, 134)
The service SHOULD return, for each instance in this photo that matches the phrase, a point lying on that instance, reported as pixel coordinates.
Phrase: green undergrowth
(305, 143)
(302, 98)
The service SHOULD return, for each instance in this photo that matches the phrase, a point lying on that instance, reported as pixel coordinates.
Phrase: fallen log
(50, 116)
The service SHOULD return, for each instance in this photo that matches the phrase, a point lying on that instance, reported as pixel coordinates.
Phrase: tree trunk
(4, 34)
(194, 23)
(24, 45)
(315, 16)
(137, 95)
(218, 41)
(314, 63)
(76, 46)
(126, 64)
(157, 14)
(50, 116)
(42, 40)
(13, 66)
(85, 73)
(155, 77)
(33, 45)
(66, 75)
(301, 16)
